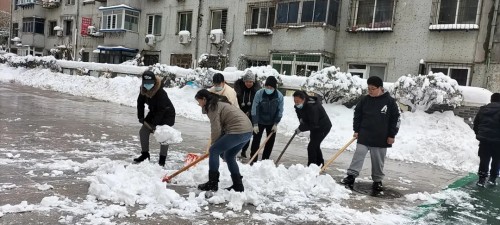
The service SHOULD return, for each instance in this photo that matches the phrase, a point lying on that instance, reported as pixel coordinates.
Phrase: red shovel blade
(190, 158)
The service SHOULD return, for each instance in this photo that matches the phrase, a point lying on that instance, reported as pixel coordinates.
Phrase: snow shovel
(286, 146)
(191, 157)
(167, 178)
(337, 154)
(260, 148)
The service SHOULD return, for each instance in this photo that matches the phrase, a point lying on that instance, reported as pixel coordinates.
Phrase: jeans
(230, 145)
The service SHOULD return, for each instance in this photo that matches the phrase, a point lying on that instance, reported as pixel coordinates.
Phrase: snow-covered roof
(121, 6)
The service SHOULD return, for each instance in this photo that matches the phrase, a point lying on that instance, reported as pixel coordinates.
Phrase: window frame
(52, 32)
(354, 13)
(121, 17)
(331, 18)
(34, 25)
(366, 71)
(269, 20)
(436, 13)
(222, 23)
(153, 19)
(68, 31)
(189, 21)
(450, 67)
(293, 60)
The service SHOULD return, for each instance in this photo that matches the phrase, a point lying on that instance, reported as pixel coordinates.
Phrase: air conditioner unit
(216, 36)
(184, 37)
(91, 30)
(150, 40)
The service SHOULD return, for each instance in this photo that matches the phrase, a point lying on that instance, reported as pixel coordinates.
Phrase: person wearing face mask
(222, 88)
(313, 118)
(267, 110)
(245, 88)
(376, 123)
(161, 112)
(230, 129)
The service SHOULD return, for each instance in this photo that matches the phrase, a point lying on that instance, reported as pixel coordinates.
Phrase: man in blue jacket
(267, 110)
(487, 129)
(313, 118)
(376, 123)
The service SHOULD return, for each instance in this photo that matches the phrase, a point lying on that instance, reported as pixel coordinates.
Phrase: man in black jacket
(245, 89)
(312, 117)
(376, 123)
(161, 112)
(487, 129)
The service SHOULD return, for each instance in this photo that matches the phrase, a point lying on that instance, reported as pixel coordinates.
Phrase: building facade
(385, 38)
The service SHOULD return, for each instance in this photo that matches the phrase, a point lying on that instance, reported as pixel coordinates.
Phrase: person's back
(487, 123)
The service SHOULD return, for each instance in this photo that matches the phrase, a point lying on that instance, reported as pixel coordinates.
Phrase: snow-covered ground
(297, 192)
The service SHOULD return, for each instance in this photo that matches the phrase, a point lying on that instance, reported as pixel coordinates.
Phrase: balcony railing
(51, 4)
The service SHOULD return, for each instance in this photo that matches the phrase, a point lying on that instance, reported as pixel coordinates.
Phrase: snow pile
(423, 91)
(334, 85)
(168, 135)
(29, 61)
(59, 165)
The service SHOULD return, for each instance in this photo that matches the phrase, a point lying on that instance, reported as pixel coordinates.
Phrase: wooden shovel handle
(260, 148)
(337, 154)
(167, 178)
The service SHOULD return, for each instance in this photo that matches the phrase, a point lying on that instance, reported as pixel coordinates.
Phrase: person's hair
(212, 99)
(375, 81)
(495, 97)
(218, 78)
(300, 94)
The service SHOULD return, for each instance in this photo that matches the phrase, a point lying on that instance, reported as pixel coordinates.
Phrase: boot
(243, 155)
(162, 160)
(377, 186)
(142, 157)
(348, 181)
(492, 181)
(481, 182)
(213, 182)
(237, 183)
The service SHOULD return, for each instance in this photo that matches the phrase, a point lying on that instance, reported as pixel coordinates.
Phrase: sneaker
(492, 181)
(377, 186)
(481, 182)
(349, 180)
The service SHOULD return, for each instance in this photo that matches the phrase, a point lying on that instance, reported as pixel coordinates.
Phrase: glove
(256, 129)
(275, 128)
(297, 131)
(141, 120)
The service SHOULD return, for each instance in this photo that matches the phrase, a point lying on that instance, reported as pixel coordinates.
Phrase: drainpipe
(75, 48)
(10, 26)
(197, 33)
(490, 44)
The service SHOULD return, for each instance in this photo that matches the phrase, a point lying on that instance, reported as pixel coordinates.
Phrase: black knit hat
(495, 97)
(375, 81)
(148, 77)
(218, 78)
(271, 81)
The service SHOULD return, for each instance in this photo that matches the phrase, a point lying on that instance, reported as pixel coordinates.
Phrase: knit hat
(249, 76)
(271, 81)
(375, 81)
(218, 78)
(495, 97)
(148, 77)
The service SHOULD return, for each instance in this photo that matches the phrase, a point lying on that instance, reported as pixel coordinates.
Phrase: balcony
(51, 4)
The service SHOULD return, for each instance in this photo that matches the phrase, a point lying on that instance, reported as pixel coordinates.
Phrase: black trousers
(314, 154)
(489, 152)
(256, 142)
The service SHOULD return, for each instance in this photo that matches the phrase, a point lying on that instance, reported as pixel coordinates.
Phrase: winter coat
(161, 109)
(227, 119)
(313, 116)
(487, 123)
(267, 109)
(245, 95)
(376, 119)
(227, 91)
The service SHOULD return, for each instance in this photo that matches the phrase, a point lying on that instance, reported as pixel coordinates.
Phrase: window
(70, 2)
(367, 70)
(25, 2)
(219, 20)
(181, 60)
(34, 25)
(150, 60)
(68, 27)
(52, 24)
(371, 15)
(85, 56)
(261, 17)
(299, 64)
(131, 20)
(120, 19)
(154, 24)
(459, 72)
(288, 12)
(455, 14)
(15, 30)
(185, 21)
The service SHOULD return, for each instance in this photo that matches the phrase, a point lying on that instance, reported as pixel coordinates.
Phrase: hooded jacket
(245, 95)
(487, 123)
(226, 119)
(161, 109)
(267, 109)
(313, 116)
(227, 91)
(376, 119)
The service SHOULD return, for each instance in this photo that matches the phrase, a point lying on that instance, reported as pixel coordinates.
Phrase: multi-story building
(385, 38)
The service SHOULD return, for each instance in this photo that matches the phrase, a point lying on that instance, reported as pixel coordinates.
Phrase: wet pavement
(77, 128)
